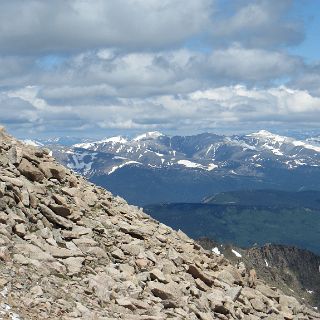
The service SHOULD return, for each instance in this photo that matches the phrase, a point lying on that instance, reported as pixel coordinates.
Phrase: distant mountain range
(154, 167)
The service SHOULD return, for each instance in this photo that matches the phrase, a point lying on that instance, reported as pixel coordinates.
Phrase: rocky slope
(70, 250)
(294, 270)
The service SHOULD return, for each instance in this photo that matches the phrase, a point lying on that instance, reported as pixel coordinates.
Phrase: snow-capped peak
(267, 135)
(117, 139)
(148, 135)
(88, 145)
(277, 139)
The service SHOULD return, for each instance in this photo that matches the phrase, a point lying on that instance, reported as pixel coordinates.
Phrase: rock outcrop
(295, 271)
(71, 250)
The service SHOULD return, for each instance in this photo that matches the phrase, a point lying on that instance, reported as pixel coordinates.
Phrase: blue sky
(97, 68)
(309, 12)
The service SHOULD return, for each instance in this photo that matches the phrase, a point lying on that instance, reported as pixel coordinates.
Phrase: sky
(94, 68)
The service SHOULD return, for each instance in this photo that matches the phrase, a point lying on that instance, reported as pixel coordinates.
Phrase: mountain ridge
(156, 142)
(196, 165)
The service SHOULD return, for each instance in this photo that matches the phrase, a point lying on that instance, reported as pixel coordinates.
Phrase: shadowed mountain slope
(294, 270)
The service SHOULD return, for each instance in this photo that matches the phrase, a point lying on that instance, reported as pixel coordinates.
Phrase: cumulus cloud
(198, 111)
(37, 26)
(86, 66)
(309, 79)
(96, 76)
(240, 64)
(258, 23)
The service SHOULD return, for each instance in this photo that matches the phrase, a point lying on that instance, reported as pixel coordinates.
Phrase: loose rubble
(71, 250)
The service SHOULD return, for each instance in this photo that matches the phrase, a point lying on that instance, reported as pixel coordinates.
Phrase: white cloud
(37, 26)
(197, 111)
(237, 63)
(156, 64)
(258, 23)
(273, 101)
(309, 79)
(88, 78)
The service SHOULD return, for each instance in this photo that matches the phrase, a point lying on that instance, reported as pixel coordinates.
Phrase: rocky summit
(71, 250)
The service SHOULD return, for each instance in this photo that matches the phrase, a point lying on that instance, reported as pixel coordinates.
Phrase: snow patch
(78, 163)
(306, 145)
(300, 163)
(113, 169)
(212, 166)
(216, 250)
(86, 145)
(190, 164)
(236, 253)
(159, 154)
(194, 165)
(209, 149)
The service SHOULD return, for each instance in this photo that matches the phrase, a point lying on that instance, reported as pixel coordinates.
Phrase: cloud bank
(98, 67)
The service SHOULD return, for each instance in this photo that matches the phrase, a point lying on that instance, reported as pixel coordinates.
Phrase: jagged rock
(20, 230)
(73, 264)
(52, 170)
(132, 249)
(15, 155)
(60, 210)
(3, 217)
(52, 217)
(117, 253)
(217, 296)
(14, 181)
(4, 254)
(2, 189)
(156, 274)
(142, 263)
(30, 171)
(197, 273)
(234, 292)
(268, 292)
(62, 252)
(257, 305)
(163, 291)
